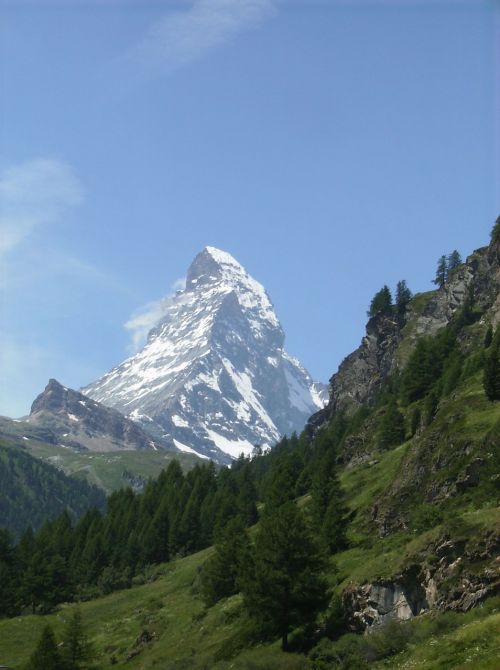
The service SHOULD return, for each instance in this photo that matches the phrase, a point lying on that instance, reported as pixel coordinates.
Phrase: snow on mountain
(213, 375)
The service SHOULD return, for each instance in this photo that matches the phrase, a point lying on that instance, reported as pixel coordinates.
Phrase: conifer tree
(328, 510)
(77, 651)
(491, 375)
(381, 302)
(46, 655)
(495, 233)
(441, 272)
(284, 585)
(8, 594)
(403, 296)
(488, 338)
(391, 430)
(220, 576)
(454, 260)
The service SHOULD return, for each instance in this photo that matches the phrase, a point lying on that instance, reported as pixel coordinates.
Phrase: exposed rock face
(68, 418)
(213, 376)
(377, 603)
(448, 578)
(389, 341)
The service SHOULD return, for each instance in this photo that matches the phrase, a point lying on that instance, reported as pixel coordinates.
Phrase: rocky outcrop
(450, 576)
(65, 417)
(377, 603)
(389, 340)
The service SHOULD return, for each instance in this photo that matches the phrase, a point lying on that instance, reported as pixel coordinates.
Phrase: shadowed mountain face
(213, 376)
(65, 417)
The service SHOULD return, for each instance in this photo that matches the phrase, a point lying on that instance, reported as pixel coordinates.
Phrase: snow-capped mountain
(213, 376)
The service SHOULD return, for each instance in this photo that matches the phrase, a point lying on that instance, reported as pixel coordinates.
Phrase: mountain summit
(213, 376)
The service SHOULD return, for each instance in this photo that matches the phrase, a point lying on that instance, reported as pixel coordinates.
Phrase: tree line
(177, 514)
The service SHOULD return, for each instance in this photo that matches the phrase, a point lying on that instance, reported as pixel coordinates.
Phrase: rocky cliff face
(389, 340)
(65, 417)
(214, 377)
(454, 575)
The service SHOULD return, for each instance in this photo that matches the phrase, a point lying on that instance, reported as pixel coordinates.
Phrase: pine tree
(328, 510)
(495, 233)
(491, 375)
(46, 655)
(220, 576)
(381, 302)
(488, 338)
(403, 296)
(391, 430)
(77, 650)
(284, 585)
(454, 260)
(8, 594)
(441, 272)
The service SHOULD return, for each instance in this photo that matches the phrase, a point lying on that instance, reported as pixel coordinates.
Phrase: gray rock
(213, 376)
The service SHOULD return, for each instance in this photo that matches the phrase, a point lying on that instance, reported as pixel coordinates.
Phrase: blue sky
(330, 146)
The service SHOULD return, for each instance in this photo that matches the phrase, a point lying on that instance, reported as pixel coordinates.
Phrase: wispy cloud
(182, 37)
(34, 194)
(148, 316)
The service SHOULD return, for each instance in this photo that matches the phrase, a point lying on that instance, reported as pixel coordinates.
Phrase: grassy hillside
(182, 633)
(186, 635)
(419, 466)
(110, 470)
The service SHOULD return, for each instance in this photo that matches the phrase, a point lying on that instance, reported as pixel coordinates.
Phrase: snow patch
(179, 421)
(232, 447)
(188, 450)
(73, 417)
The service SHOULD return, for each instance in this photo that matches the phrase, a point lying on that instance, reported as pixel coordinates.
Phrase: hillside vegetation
(33, 491)
(383, 513)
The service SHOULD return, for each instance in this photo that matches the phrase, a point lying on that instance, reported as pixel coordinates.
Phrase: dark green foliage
(491, 376)
(425, 517)
(391, 429)
(452, 372)
(8, 557)
(430, 407)
(77, 651)
(283, 585)
(495, 233)
(441, 272)
(381, 302)
(46, 655)
(488, 338)
(328, 510)
(281, 482)
(415, 419)
(426, 364)
(221, 573)
(33, 491)
(454, 260)
(176, 515)
(403, 296)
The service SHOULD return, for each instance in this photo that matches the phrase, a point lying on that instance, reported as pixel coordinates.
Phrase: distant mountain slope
(33, 491)
(213, 375)
(69, 419)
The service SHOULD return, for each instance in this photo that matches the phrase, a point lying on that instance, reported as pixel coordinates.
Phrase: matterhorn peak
(213, 377)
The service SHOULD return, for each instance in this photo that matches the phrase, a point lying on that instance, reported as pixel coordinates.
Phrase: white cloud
(181, 37)
(148, 316)
(33, 194)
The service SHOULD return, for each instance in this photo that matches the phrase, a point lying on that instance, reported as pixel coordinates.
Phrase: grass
(106, 469)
